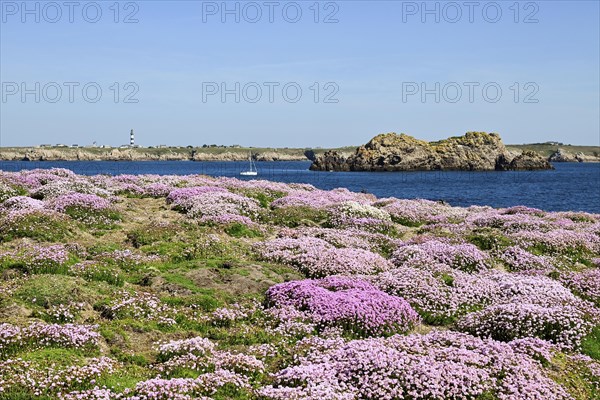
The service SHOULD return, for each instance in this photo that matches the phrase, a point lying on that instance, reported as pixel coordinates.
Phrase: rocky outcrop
(529, 160)
(277, 156)
(330, 161)
(475, 151)
(561, 155)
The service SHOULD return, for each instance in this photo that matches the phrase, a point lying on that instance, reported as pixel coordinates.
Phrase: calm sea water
(571, 186)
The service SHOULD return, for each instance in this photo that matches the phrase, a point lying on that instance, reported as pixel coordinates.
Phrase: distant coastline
(217, 153)
(553, 152)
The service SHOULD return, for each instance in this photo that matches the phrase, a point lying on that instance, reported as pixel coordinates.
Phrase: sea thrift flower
(559, 241)
(439, 295)
(21, 203)
(232, 313)
(419, 212)
(540, 290)
(227, 219)
(320, 199)
(342, 213)
(179, 198)
(585, 284)
(196, 346)
(351, 237)
(317, 258)
(7, 191)
(141, 305)
(465, 257)
(158, 190)
(352, 304)
(90, 202)
(408, 367)
(60, 187)
(530, 283)
(563, 325)
(518, 259)
(188, 388)
(40, 334)
(37, 258)
(509, 222)
(37, 380)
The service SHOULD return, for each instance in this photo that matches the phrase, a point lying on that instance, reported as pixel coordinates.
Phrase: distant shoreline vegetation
(566, 152)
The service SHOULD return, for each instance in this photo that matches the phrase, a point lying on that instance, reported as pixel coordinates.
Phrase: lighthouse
(131, 139)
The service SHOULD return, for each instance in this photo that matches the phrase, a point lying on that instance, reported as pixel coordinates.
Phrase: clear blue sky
(376, 56)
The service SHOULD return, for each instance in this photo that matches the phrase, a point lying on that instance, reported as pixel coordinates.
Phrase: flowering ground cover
(190, 287)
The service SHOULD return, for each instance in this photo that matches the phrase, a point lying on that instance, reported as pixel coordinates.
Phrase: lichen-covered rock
(529, 160)
(561, 156)
(475, 151)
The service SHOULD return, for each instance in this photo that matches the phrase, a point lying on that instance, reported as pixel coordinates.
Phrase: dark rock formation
(330, 161)
(310, 154)
(475, 151)
(529, 160)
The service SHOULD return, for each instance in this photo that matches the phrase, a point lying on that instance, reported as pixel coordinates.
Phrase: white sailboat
(252, 171)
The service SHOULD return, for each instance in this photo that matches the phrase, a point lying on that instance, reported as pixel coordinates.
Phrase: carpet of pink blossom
(150, 287)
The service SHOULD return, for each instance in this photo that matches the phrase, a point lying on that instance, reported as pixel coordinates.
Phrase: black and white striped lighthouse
(131, 139)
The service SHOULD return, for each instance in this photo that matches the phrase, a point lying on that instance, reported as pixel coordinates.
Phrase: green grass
(111, 275)
(547, 149)
(150, 234)
(100, 248)
(591, 344)
(52, 290)
(407, 222)
(111, 332)
(133, 359)
(206, 300)
(8, 191)
(264, 198)
(58, 356)
(124, 378)
(102, 219)
(238, 230)
(575, 377)
(37, 226)
(447, 279)
(489, 239)
(297, 216)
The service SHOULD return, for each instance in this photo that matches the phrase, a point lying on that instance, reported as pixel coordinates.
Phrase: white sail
(252, 171)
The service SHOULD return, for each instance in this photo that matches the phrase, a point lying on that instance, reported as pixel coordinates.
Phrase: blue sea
(571, 186)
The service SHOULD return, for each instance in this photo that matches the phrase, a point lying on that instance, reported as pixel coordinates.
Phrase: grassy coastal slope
(547, 150)
(191, 287)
